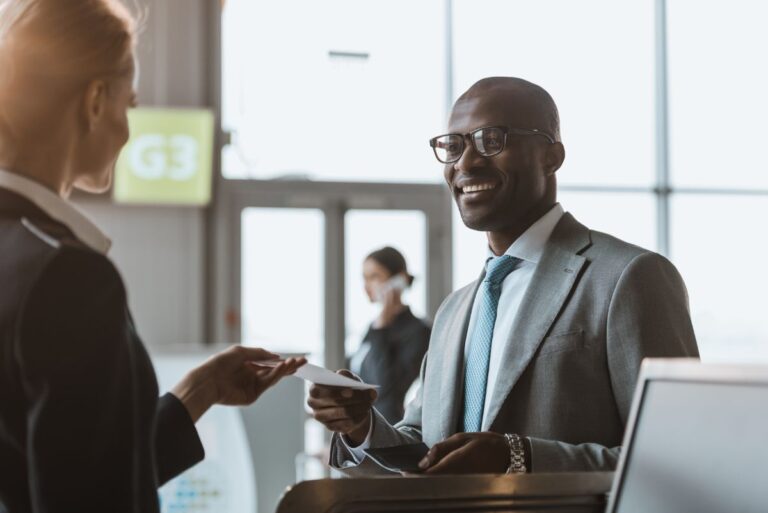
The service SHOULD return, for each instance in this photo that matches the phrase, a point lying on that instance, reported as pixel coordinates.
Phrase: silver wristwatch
(516, 454)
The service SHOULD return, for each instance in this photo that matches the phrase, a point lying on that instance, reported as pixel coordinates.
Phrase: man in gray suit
(533, 366)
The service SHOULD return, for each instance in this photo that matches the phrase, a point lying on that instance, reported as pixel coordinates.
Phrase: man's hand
(468, 453)
(343, 410)
(232, 377)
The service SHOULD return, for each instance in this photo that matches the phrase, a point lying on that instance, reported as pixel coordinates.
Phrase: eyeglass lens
(487, 141)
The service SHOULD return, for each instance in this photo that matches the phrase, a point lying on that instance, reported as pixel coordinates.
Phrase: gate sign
(168, 158)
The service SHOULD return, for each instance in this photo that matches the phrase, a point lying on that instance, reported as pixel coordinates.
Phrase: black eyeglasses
(487, 141)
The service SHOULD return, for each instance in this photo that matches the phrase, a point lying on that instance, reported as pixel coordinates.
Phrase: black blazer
(81, 425)
(394, 360)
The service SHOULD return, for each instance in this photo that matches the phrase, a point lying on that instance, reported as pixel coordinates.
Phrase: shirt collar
(57, 208)
(530, 245)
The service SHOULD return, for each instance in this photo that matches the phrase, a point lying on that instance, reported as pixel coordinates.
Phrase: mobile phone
(397, 283)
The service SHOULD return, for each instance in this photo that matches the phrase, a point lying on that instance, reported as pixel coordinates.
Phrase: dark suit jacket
(393, 361)
(81, 426)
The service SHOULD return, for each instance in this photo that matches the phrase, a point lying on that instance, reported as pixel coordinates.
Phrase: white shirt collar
(58, 208)
(530, 245)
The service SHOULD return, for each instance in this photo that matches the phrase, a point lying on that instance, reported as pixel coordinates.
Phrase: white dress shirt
(529, 248)
(58, 208)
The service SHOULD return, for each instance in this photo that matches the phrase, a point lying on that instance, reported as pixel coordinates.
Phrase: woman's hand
(232, 377)
(392, 306)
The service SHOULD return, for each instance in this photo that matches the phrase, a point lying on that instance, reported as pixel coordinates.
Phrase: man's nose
(469, 160)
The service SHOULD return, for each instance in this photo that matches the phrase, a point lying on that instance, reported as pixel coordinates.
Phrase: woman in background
(81, 426)
(391, 352)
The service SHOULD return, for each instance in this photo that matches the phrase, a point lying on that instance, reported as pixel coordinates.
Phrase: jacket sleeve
(382, 434)
(648, 317)
(76, 364)
(177, 444)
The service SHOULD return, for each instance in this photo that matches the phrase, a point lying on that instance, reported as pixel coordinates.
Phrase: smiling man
(533, 366)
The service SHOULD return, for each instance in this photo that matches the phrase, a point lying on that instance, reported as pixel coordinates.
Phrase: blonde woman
(81, 425)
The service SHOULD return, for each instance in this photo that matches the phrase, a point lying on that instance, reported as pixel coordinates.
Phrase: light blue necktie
(478, 358)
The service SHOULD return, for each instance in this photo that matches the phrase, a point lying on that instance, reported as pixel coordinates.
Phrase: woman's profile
(81, 426)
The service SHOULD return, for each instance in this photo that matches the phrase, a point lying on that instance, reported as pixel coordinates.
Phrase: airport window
(716, 245)
(718, 180)
(717, 103)
(365, 231)
(282, 274)
(372, 77)
(663, 128)
(602, 79)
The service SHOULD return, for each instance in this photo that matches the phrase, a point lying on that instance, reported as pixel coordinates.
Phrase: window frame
(228, 192)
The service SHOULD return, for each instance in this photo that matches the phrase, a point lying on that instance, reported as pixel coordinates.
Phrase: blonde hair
(51, 49)
(72, 41)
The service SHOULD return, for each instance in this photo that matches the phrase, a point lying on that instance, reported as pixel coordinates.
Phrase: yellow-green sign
(168, 158)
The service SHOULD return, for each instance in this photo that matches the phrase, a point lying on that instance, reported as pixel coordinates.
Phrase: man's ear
(94, 103)
(554, 158)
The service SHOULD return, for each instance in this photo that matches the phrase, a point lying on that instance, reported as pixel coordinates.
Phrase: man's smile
(478, 188)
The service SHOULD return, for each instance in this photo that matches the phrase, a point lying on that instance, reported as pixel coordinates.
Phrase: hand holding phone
(397, 283)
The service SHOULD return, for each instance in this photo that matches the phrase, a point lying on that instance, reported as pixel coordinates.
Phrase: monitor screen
(699, 447)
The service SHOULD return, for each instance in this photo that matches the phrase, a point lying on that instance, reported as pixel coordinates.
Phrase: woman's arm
(88, 446)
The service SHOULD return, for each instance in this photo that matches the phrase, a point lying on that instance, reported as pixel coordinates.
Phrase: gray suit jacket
(595, 307)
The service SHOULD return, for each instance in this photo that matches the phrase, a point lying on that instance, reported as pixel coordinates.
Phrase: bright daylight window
(376, 90)
(718, 109)
(605, 94)
(333, 90)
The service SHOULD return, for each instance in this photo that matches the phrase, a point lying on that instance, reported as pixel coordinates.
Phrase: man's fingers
(320, 403)
(441, 450)
(452, 463)
(330, 416)
(326, 392)
(349, 374)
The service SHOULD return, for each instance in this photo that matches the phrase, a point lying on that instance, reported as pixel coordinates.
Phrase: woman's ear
(95, 103)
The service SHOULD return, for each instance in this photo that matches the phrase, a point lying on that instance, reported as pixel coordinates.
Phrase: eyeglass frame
(507, 130)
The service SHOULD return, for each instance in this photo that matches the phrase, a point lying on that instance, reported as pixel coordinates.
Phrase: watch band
(516, 454)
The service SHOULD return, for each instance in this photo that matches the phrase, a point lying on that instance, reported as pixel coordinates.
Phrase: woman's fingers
(269, 376)
(255, 354)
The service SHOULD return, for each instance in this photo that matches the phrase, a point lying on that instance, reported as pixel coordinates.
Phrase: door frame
(334, 199)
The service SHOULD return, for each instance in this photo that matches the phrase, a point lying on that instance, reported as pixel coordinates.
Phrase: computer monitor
(697, 440)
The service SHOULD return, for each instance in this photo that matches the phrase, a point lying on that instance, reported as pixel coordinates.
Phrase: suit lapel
(452, 369)
(551, 284)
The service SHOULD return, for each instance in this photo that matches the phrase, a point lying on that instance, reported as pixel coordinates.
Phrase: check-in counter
(560, 493)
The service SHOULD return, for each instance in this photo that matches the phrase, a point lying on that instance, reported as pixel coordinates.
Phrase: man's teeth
(478, 188)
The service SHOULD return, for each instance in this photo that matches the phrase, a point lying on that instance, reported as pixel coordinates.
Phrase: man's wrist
(517, 454)
(357, 436)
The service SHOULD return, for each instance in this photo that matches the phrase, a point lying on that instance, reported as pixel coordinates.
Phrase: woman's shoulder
(63, 265)
(39, 255)
(410, 322)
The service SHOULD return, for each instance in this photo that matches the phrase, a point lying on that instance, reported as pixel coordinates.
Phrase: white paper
(322, 376)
